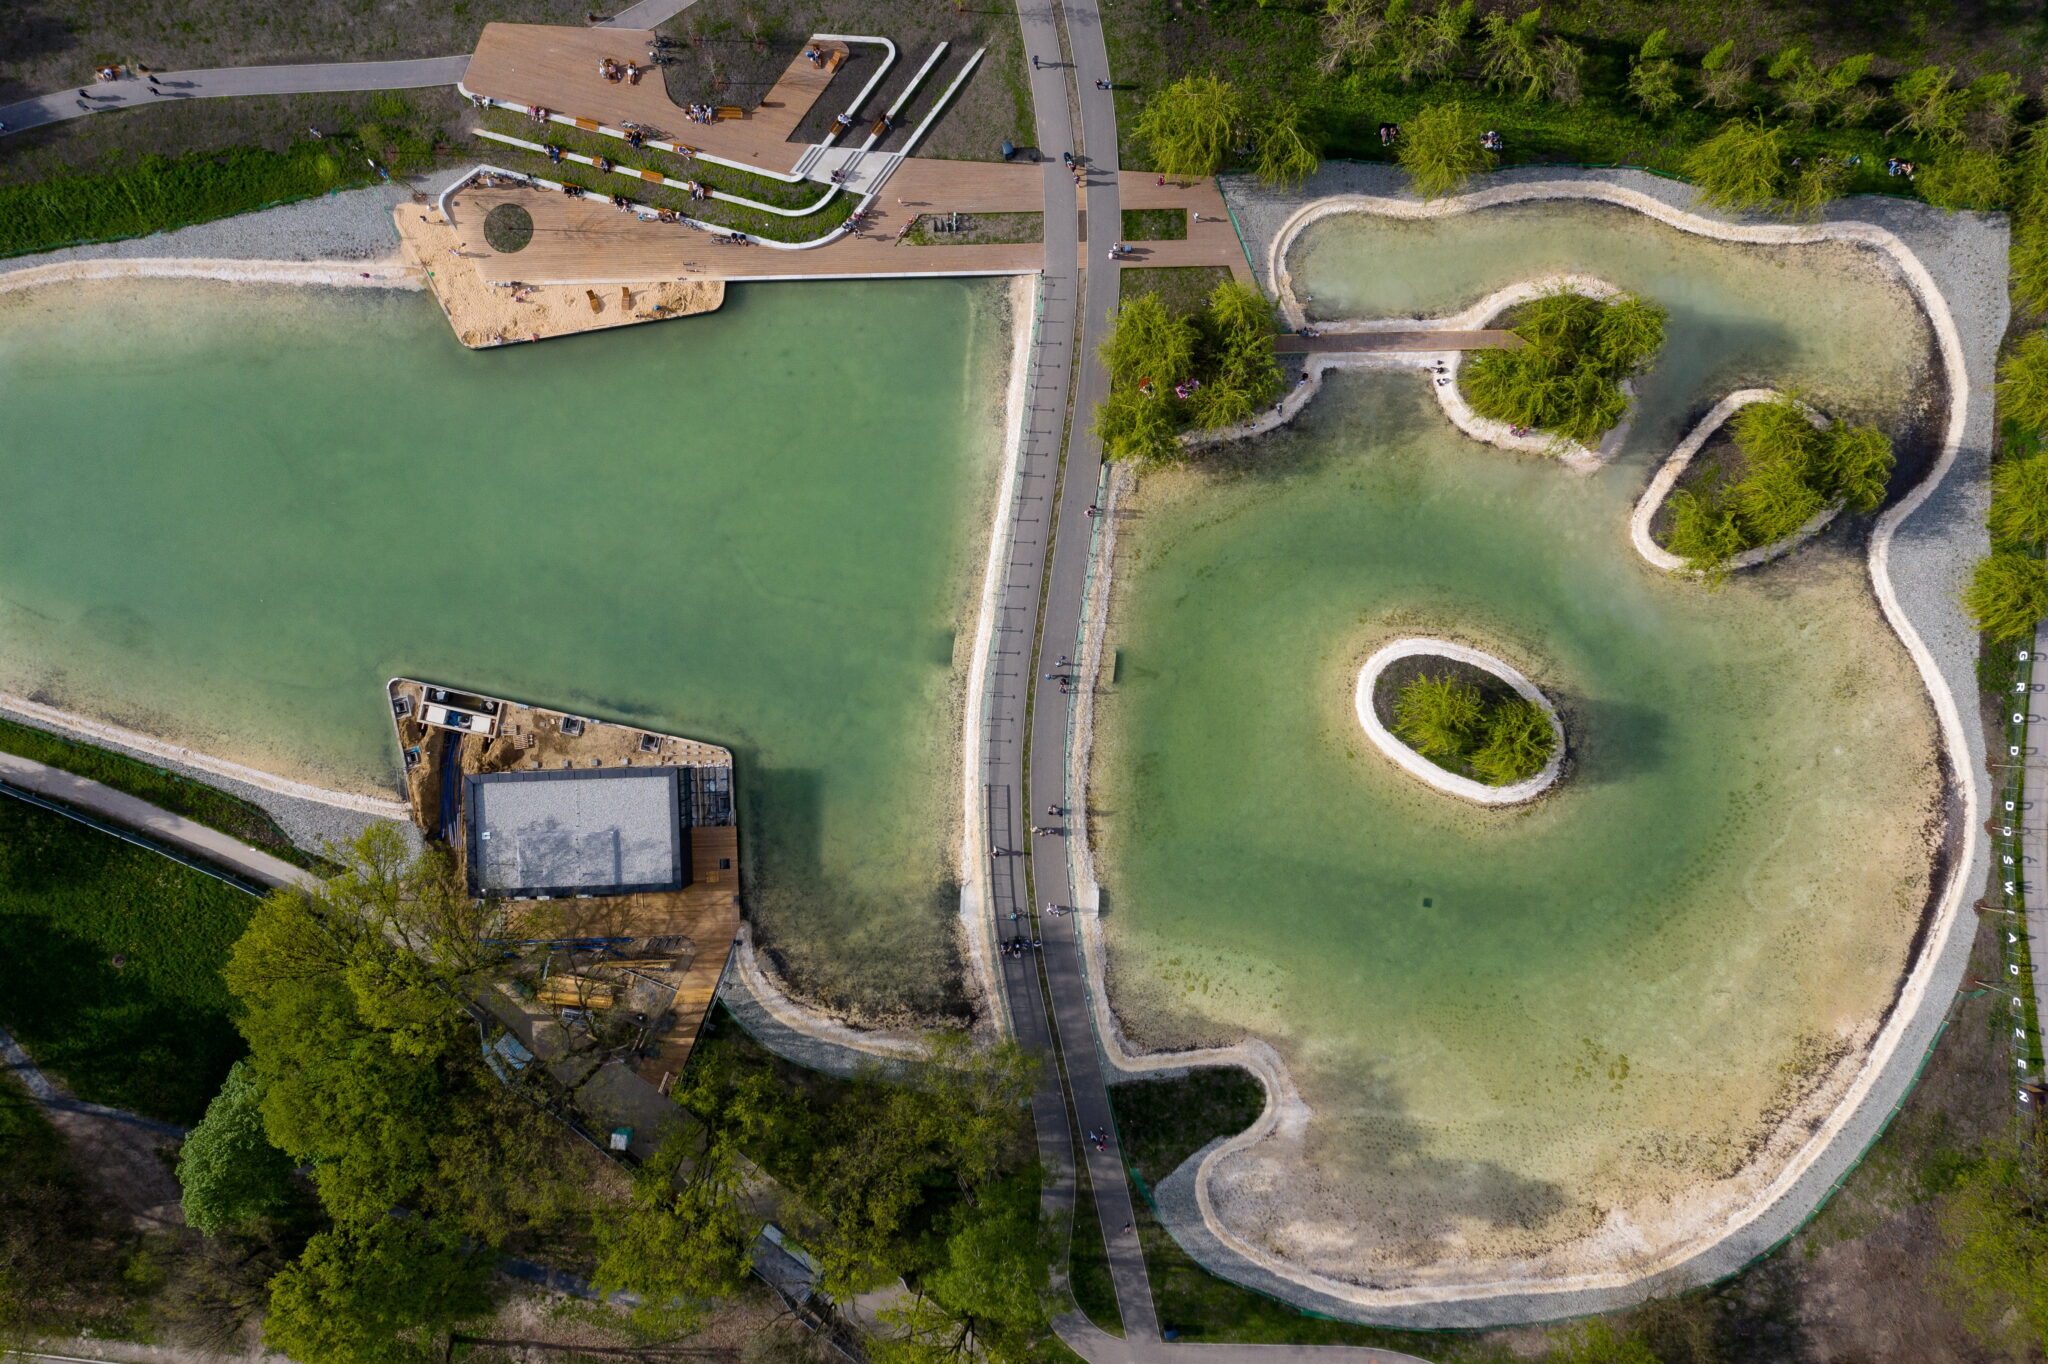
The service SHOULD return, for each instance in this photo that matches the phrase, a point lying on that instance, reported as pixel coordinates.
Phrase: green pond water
(231, 513)
(1547, 1038)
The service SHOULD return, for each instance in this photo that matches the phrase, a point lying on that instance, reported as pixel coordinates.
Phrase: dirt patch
(126, 1165)
(732, 51)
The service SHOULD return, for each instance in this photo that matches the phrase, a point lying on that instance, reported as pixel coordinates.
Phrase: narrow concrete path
(313, 79)
(54, 783)
(647, 14)
(2029, 880)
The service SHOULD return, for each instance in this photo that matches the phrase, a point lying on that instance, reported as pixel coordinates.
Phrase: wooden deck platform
(557, 68)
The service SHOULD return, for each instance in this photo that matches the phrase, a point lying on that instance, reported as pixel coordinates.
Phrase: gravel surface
(1931, 553)
(349, 225)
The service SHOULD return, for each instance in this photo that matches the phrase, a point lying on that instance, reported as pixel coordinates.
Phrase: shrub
(1451, 723)
(1566, 377)
(1968, 177)
(2007, 595)
(1439, 148)
(2019, 500)
(2023, 383)
(1287, 154)
(1438, 717)
(1518, 742)
(1703, 532)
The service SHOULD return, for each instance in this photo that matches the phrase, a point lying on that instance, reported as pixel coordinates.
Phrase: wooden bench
(728, 111)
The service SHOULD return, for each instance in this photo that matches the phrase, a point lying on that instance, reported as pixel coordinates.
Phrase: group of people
(615, 71)
(539, 113)
(1098, 1137)
(1492, 141)
(700, 113)
(1894, 166)
(1017, 947)
(1389, 132)
(815, 55)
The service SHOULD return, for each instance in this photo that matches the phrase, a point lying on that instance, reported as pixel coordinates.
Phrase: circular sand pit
(508, 228)
(1461, 659)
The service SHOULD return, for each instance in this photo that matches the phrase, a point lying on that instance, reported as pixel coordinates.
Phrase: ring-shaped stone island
(1414, 763)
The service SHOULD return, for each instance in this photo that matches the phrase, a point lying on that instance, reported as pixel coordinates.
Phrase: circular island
(1461, 720)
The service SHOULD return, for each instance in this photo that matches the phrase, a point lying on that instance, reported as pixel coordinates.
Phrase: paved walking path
(312, 79)
(1040, 621)
(2032, 879)
(98, 798)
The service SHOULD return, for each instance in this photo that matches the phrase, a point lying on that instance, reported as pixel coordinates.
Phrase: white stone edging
(1413, 763)
(1680, 460)
(797, 1018)
(1284, 1107)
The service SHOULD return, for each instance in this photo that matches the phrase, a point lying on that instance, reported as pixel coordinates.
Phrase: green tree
(1774, 501)
(2028, 259)
(1440, 150)
(1438, 717)
(1855, 465)
(1511, 53)
(2019, 500)
(1286, 153)
(1150, 343)
(380, 1291)
(1427, 46)
(984, 1297)
(2023, 383)
(1742, 166)
(1354, 33)
(1813, 186)
(1930, 104)
(1515, 743)
(1653, 75)
(1566, 376)
(1190, 126)
(1564, 71)
(2007, 595)
(686, 1237)
(1703, 533)
(230, 1173)
(1994, 1223)
(1968, 177)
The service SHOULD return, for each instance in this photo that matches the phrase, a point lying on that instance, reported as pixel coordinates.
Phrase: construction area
(613, 852)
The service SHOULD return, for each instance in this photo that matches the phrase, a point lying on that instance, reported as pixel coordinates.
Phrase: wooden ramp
(1355, 342)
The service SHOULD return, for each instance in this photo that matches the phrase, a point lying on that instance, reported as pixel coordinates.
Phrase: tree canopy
(1188, 127)
(230, 1173)
(1440, 150)
(1498, 740)
(1167, 373)
(1566, 376)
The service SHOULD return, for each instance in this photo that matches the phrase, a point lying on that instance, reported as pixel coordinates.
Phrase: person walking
(1034, 61)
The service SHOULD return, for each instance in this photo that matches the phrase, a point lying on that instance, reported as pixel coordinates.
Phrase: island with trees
(1462, 720)
(1759, 474)
(1569, 377)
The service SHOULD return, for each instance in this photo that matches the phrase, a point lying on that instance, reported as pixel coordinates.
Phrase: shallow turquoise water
(231, 513)
(1510, 1027)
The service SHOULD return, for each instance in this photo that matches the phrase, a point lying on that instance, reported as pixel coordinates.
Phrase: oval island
(1473, 718)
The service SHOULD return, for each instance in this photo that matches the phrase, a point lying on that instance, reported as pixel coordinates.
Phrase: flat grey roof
(577, 831)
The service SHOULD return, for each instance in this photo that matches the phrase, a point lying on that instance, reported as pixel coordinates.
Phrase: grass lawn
(1272, 52)
(1185, 288)
(1155, 224)
(180, 795)
(151, 1034)
(1163, 1122)
(107, 177)
(977, 229)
